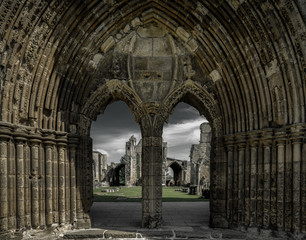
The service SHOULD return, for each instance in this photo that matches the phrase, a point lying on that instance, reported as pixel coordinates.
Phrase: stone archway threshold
(119, 220)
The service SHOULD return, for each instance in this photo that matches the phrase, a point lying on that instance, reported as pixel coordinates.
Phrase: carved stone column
(253, 144)
(20, 142)
(61, 181)
(296, 138)
(152, 161)
(35, 143)
(230, 175)
(218, 185)
(280, 144)
(267, 144)
(49, 148)
(4, 183)
(73, 143)
(241, 142)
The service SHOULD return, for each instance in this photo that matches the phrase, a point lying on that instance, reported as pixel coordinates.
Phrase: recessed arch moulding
(240, 63)
(151, 71)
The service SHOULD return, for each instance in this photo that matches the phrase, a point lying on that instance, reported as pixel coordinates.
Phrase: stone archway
(177, 173)
(241, 63)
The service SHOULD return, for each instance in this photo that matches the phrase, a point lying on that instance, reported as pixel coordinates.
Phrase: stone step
(102, 234)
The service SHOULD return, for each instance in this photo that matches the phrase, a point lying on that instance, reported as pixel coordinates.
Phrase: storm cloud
(116, 125)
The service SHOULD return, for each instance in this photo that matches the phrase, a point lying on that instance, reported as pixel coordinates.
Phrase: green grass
(133, 194)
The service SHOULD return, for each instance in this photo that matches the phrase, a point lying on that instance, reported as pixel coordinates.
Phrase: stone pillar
(61, 181)
(280, 145)
(20, 142)
(12, 221)
(296, 138)
(218, 185)
(55, 185)
(288, 185)
(4, 183)
(73, 142)
(241, 142)
(253, 144)
(152, 161)
(230, 175)
(35, 143)
(267, 145)
(49, 146)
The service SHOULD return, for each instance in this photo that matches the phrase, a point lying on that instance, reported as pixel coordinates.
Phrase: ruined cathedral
(195, 172)
(240, 63)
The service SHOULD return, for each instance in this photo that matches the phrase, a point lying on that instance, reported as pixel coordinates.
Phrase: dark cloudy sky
(113, 128)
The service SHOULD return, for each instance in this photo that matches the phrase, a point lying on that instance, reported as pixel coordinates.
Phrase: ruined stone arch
(254, 54)
(113, 90)
(194, 94)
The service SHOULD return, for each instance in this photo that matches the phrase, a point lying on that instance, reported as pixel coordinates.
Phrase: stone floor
(123, 221)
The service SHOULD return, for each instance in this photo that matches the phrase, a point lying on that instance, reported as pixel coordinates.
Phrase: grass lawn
(133, 194)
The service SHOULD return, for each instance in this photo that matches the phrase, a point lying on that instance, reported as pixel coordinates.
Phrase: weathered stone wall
(99, 166)
(43, 179)
(266, 178)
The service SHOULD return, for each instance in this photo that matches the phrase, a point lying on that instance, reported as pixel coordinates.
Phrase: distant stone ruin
(99, 169)
(128, 171)
(200, 160)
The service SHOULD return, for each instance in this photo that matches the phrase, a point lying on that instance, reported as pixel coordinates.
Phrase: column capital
(229, 142)
(253, 139)
(35, 139)
(241, 140)
(73, 140)
(280, 136)
(266, 136)
(20, 139)
(4, 137)
(61, 140)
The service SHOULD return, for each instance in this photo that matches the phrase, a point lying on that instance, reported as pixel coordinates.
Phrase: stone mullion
(267, 144)
(34, 182)
(230, 159)
(20, 142)
(253, 177)
(241, 174)
(280, 145)
(296, 138)
(61, 182)
(73, 200)
(49, 146)
(152, 162)
(4, 183)
(152, 181)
